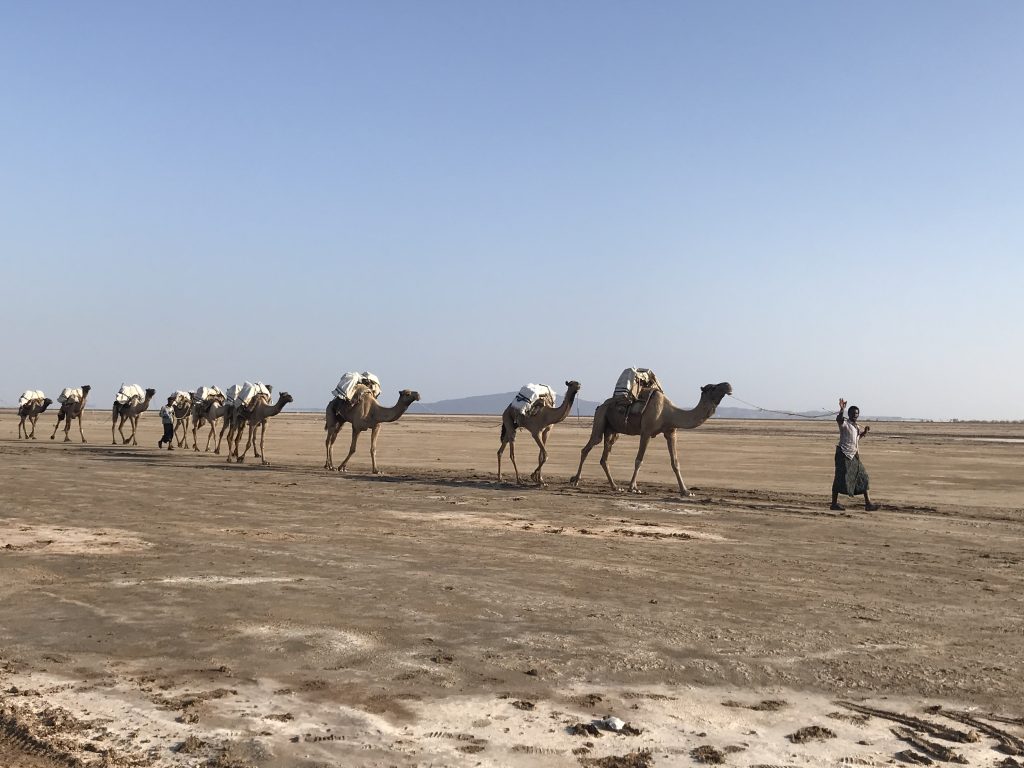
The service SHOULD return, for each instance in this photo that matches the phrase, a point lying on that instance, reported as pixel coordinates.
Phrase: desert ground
(173, 609)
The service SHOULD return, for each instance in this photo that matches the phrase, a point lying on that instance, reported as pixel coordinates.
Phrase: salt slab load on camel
(207, 393)
(250, 391)
(633, 380)
(74, 394)
(533, 395)
(128, 392)
(182, 399)
(232, 393)
(348, 382)
(31, 396)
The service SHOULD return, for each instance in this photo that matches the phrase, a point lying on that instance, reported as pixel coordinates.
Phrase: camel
(653, 414)
(212, 412)
(538, 424)
(203, 411)
(363, 412)
(255, 417)
(182, 412)
(71, 409)
(227, 425)
(31, 411)
(129, 412)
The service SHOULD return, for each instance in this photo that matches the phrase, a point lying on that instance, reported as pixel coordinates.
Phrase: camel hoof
(127, 441)
(217, 452)
(52, 437)
(687, 494)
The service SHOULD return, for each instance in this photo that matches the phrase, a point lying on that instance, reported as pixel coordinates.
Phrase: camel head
(47, 402)
(150, 392)
(284, 397)
(408, 396)
(85, 389)
(715, 392)
(574, 386)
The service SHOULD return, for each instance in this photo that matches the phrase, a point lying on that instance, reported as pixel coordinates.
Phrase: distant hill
(484, 405)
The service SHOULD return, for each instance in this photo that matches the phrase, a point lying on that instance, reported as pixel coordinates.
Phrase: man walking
(167, 417)
(851, 478)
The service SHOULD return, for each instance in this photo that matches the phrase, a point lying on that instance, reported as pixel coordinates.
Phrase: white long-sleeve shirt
(849, 438)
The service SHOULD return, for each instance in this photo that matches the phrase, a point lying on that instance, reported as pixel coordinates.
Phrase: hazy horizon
(806, 200)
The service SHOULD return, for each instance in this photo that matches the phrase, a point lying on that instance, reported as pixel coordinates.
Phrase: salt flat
(172, 609)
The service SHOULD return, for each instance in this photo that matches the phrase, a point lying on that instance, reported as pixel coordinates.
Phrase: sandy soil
(172, 609)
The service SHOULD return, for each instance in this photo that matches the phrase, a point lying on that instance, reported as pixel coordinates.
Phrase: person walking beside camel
(851, 478)
(167, 417)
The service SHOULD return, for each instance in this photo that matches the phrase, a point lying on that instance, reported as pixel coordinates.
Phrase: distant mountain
(494, 405)
(486, 405)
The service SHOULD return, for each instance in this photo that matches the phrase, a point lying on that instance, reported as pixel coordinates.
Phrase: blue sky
(805, 199)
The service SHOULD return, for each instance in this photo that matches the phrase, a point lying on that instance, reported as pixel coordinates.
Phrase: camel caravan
(638, 406)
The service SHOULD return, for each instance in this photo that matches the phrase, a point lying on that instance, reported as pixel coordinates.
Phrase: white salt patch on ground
(637, 506)
(69, 540)
(335, 640)
(480, 730)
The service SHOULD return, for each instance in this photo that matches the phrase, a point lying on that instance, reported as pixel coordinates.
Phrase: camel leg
(113, 426)
(60, 418)
(224, 427)
(33, 420)
(373, 449)
(609, 441)
(501, 450)
(540, 439)
(209, 437)
(644, 442)
(332, 435)
(234, 435)
(195, 443)
(81, 431)
(574, 481)
(351, 450)
(512, 456)
(670, 438)
(263, 433)
(21, 425)
(248, 442)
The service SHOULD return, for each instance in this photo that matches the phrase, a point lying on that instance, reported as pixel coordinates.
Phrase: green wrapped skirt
(851, 477)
